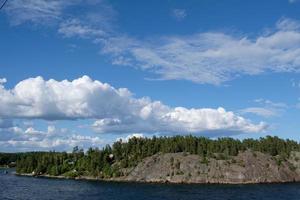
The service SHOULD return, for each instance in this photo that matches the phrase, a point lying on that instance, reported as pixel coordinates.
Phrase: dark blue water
(16, 187)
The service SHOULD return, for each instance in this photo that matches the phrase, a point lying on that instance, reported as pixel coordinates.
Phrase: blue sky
(90, 72)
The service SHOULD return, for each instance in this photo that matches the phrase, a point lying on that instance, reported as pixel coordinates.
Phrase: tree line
(107, 162)
(8, 159)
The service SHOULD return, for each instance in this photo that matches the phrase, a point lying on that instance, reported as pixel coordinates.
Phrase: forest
(107, 162)
(9, 159)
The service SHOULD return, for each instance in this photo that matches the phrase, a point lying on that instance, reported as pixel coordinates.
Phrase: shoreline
(89, 178)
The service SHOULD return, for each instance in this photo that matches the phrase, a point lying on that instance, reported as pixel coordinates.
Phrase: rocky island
(180, 159)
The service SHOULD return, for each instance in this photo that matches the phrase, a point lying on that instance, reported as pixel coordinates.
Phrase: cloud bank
(29, 139)
(114, 110)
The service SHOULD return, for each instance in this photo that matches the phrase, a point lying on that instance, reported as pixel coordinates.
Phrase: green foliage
(292, 167)
(109, 161)
(204, 160)
(9, 159)
(179, 172)
(71, 174)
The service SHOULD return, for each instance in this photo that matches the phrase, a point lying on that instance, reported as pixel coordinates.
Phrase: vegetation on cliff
(109, 161)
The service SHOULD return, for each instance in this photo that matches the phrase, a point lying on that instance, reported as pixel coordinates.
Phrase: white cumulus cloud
(128, 137)
(114, 110)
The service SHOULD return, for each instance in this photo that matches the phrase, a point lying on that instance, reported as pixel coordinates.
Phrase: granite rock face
(246, 167)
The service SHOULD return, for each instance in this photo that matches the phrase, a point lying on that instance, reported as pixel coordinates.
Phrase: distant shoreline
(119, 180)
(87, 178)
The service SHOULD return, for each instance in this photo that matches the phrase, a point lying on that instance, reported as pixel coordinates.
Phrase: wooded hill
(109, 161)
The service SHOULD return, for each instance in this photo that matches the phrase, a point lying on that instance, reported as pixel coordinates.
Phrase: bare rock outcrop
(246, 167)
